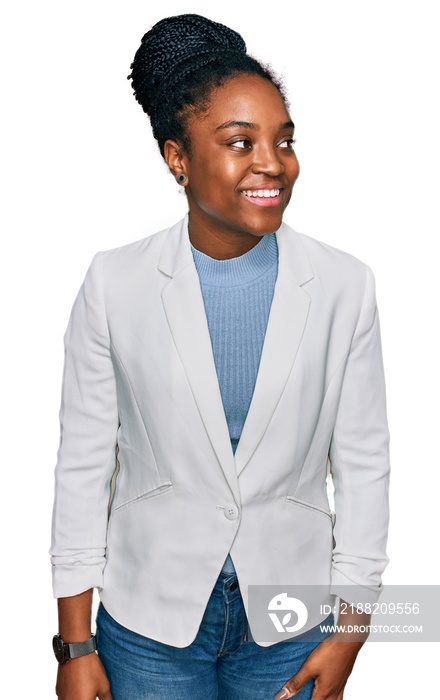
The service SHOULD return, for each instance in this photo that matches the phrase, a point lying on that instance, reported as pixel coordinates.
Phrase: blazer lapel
(185, 311)
(287, 319)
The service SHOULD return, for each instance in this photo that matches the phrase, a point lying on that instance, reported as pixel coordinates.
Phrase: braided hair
(178, 64)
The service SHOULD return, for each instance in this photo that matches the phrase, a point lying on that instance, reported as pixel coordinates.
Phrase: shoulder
(332, 266)
(144, 247)
(133, 260)
(326, 257)
(336, 278)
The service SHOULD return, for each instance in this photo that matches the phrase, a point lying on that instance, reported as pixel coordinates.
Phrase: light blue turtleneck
(237, 295)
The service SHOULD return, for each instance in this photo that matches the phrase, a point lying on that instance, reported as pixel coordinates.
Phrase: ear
(175, 158)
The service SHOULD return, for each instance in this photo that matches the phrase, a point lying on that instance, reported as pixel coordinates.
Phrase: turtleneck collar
(239, 270)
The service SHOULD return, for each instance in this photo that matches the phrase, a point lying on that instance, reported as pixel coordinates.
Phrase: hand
(330, 664)
(83, 679)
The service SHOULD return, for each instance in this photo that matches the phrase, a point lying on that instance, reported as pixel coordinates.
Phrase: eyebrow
(250, 125)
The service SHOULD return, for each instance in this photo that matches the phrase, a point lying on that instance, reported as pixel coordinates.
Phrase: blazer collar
(176, 253)
(185, 311)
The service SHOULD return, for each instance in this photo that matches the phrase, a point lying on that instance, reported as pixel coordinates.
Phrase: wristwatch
(64, 652)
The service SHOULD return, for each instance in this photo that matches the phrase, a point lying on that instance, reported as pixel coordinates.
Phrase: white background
(82, 173)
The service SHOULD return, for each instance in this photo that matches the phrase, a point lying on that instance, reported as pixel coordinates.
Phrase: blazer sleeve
(359, 460)
(87, 451)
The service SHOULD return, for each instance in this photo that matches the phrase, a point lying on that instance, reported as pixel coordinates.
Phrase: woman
(214, 373)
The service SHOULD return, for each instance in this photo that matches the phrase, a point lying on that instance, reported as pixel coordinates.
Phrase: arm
(74, 617)
(83, 678)
(86, 462)
(360, 468)
(87, 453)
(359, 457)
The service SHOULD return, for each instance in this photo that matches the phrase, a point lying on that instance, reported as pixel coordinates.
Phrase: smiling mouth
(266, 198)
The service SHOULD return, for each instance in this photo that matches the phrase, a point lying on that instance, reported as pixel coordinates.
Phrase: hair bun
(175, 46)
(180, 61)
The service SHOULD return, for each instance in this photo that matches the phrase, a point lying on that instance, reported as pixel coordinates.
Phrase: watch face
(58, 648)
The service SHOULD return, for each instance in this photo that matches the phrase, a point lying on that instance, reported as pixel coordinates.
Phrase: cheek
(223, 171)
(296, 169)
(217, 181)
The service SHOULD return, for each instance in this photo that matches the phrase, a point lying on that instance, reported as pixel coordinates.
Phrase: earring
(181, 179)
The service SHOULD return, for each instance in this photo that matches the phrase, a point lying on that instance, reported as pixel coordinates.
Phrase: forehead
(246, 98)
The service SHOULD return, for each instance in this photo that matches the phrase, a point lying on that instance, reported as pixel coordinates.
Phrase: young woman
(215, 373)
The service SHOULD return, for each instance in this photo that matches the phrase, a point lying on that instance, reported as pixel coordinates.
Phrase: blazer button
(231, 511)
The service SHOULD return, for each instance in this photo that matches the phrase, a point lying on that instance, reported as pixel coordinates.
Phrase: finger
(294, 684)
(105, 695)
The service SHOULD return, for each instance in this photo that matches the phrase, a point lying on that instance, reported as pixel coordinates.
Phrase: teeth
(262, 193)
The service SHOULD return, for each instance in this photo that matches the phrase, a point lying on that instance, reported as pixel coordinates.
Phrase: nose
(267, 160)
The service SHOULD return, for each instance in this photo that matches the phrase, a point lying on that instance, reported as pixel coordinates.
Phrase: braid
(178, 64)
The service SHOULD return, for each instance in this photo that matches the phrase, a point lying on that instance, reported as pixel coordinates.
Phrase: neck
(218, 242)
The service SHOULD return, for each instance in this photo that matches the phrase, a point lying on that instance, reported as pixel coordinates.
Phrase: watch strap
(77, 649)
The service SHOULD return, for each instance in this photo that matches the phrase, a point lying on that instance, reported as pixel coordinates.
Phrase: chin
(265, 228)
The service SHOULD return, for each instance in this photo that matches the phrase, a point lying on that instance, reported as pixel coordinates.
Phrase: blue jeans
(222, 663)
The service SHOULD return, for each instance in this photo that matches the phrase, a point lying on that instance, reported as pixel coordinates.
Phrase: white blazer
(149, 495)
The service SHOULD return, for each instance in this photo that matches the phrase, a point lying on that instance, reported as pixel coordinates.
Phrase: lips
(267, 197)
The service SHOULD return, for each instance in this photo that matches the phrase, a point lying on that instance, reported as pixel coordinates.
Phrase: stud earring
(181, 179)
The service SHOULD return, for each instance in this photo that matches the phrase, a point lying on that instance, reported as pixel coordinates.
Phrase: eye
(241, 143)
(288, 143)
